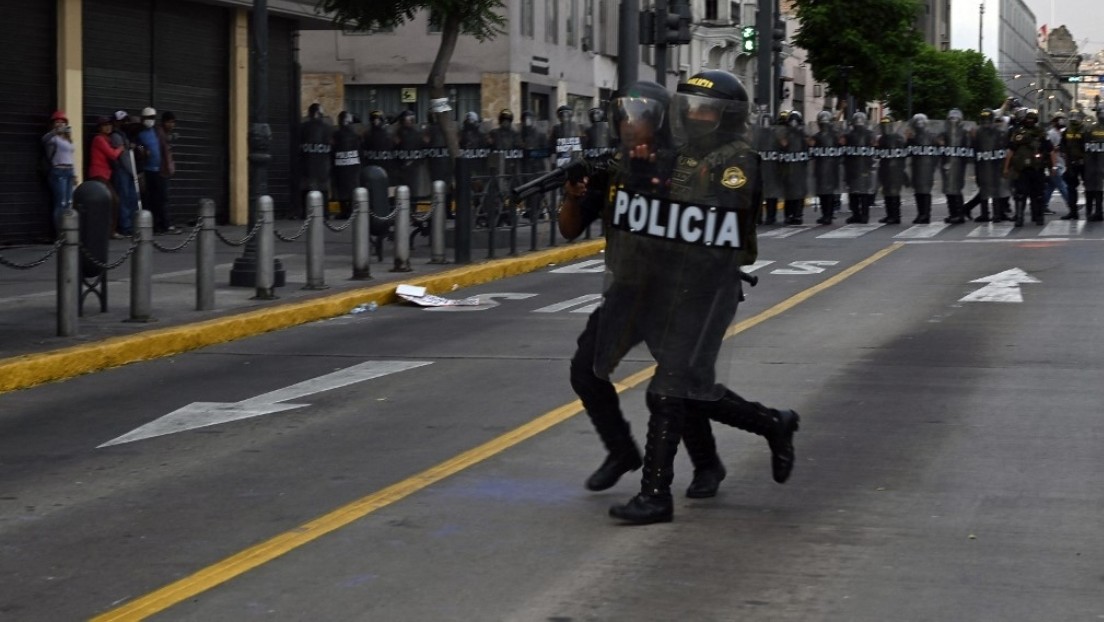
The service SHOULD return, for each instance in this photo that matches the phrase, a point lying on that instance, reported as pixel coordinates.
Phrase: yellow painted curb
(22, 372)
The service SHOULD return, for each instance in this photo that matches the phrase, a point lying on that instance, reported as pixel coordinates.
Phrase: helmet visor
(637, 120)
(695, 117)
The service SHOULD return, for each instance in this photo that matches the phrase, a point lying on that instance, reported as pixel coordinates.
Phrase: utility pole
(981, 25)
(628, 43)
(661, 10)
(764, 91)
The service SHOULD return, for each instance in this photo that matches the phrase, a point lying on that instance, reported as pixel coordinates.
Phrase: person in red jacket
(100, 162)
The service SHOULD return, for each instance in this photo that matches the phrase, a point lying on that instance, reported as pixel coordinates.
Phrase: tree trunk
(450, 32)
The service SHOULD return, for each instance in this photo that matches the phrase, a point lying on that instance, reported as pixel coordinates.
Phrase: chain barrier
(243, 241)
(109, 266)
(172, 249)
(298, 234)
(34, 264)
(340, 228)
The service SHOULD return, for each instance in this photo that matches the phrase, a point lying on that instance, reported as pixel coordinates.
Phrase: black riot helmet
(639, 115)
(986, 117)
(376, 119)
(565, 113)
(596, 115)
(1031, 118)
(505, 116)
(710, 108)
(527, 118)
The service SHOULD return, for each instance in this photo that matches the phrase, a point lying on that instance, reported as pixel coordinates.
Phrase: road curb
(23, 372)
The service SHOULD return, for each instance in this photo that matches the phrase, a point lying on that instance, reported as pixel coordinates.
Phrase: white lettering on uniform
(620, 207)
(710, 224)
(638, 213)
(653, 220)
(729, 234)
(672, 221)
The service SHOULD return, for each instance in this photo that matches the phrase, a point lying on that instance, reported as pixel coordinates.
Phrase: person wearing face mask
(567, 136)
(155, 186)
(957, 153)
(1030, 160)
(923, 158)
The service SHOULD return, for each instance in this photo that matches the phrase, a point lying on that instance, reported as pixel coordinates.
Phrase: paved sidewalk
(31, 352)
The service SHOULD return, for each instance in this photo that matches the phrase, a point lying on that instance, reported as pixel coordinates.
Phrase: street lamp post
(244, 272)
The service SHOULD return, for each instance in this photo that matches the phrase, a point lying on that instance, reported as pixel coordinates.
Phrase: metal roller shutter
(27, 97)
(282, 114)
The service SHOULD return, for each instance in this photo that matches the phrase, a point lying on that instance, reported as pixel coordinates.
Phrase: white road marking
(1002, 287)
(759, 263)
(483, 306)
(1063, 228)
(785, 232)
(851, 231)
(917, 232)
(589, 266)
(805, 267)
(991, 230)
(203, 414)
(586, 302)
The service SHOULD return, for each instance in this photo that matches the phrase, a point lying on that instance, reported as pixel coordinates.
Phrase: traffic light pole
(628, 43)
(661, 10)
(764, 92)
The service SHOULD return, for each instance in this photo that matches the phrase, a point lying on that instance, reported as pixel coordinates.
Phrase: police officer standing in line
(567, 138)
(378, 142)
(411, 167)
(596, 134)
(858, 162)
(437, 154)
(923, 158)
(892, 154)
(1029, 160)
(535, 162)
(769, 145)
(1093, 137)
(1071, 146)
(990, 147)
(473, 144)
(826, 155)
(505, 141)
(795, 168)
(677, 289)
(957, 153)
(346, 162)
(315, 152)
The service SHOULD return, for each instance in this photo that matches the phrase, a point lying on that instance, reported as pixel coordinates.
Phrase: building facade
(90, 58)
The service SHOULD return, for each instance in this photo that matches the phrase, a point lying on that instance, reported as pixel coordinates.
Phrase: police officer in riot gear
(473, 144)
(826, 154)
(1071, 146)
(675, 286)
(990, 147)
(378, 142)
(924, 154)
(597, 134)
(567, 137)
(892, 153)
(1093, 144)
(1029, 160)
(411, 167)
(505, 141)
(858, 162)
(346, 162)
(795, 168)
(770, 139)
(957, 153)
(315, 152)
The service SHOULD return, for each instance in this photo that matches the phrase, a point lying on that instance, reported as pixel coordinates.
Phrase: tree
(858, 47)
(942, 80)
(481, 19)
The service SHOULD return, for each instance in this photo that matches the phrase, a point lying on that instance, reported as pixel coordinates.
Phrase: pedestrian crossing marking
(851, 231)
(1063, 228)
(785, 232)
(918, 232)
(991, 230)
(759, 263)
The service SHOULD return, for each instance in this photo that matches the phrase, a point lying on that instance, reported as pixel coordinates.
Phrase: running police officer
(892, 153)
(1029, 160)
(826, 154)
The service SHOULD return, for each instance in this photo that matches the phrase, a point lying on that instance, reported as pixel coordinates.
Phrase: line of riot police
(1010, 155)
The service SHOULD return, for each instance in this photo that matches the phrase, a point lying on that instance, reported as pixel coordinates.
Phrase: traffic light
(778, 35)
(647, 28)
(749, 40)
(676, 23)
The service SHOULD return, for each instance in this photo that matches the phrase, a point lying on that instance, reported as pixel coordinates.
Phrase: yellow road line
(259, 554)
(22, 372)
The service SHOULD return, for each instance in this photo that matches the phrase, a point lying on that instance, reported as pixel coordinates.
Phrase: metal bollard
(205, 257)
(437, 224)
(402, 230)
(316, 243)
(266, 250)
(141, 271)
(362, 243)
(68, 274)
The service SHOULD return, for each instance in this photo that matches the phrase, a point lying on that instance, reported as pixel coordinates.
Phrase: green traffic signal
(749, 39)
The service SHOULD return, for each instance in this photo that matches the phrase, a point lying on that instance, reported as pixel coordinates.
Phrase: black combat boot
(1018, 218)
(893, 211)
(654, 504)
(603, 407)
(1072, 201)
(864, 208)
(984, 215)
(854, 204)
(954, 208)
(827, 207)
(1001, 210)
(770, 212)
(702, 449)
(1037, 211)
(777, 426)
(923, 209)
(1096, 212)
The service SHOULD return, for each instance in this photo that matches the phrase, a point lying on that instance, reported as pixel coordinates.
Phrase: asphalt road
(949, 462)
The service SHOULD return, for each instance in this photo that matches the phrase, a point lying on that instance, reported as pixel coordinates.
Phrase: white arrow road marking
(483, 306)
(1002, 287)
(805, 267)
(584, 304)
(759, 263)
(584, 267)
(203, 414)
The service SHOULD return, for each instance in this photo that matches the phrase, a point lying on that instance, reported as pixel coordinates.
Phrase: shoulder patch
(733, 177)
